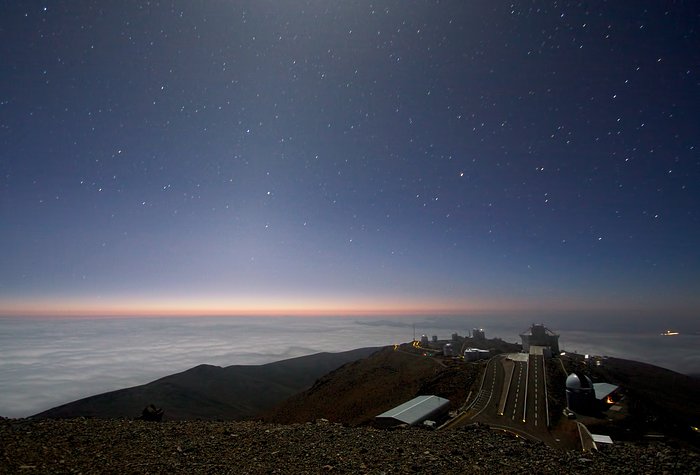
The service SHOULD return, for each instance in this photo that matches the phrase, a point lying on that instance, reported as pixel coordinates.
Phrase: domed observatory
(580, 394)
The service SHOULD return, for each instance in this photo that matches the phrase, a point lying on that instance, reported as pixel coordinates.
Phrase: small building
(424, 340)
(475, 354)
(601, 440)
(591, 441)
(478, 334)
(414, 412)
(448, 350)
(606, 394)
(539, 335)
(584, 396)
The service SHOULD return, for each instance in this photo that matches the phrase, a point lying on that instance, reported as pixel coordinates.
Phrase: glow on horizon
(135, 307)
(264, 305)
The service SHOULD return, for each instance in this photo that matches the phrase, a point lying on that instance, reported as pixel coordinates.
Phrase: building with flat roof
(475, 354)
(414, 412)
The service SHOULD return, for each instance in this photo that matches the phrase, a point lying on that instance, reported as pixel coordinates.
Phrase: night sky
(301, 157)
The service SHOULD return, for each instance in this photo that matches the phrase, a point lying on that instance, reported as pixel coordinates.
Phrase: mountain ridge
(212, 392)
(353, 387)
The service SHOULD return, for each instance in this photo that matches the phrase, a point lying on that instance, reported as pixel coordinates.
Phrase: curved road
(485, 399)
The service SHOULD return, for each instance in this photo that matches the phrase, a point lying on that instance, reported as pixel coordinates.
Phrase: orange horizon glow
(277, 306)
(222, 312)
(224, 307)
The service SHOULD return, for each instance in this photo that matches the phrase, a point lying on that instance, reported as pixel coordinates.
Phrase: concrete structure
(540, 351)
(424, 340)
(478, 334)
(601, 440)
(590, 442)
(415, 411)
(539, 335)
(475, 354)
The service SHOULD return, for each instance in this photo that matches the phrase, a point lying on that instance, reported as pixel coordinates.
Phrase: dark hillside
(212, 392)
(356, 392)
(659, 400)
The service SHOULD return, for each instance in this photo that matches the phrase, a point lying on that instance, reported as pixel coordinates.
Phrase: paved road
(525, 404)
(516, 396)
(512, 396)
(537, 399)
(487, 397)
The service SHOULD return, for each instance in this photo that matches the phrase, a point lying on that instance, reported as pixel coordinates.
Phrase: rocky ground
(125, 446)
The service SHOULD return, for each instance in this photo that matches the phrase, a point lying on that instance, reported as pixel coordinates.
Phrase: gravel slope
(124, 446)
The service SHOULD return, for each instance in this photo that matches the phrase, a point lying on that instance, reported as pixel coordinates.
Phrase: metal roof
(539, 327)
(417, 409)
(603, 390)
(601, 439)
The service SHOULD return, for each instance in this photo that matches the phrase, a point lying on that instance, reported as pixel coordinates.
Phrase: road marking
(527, 370)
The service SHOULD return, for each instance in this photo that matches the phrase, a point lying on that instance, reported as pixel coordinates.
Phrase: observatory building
(476, 354)
(539, 335)
(580, 395)
(585, 396)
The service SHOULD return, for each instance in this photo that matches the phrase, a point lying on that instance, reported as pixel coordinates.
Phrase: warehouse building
(476, 354)
(414, 412)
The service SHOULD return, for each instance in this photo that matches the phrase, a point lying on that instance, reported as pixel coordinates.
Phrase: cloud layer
(45, 362)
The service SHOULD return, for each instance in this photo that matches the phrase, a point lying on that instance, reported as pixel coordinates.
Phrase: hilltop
(655, 400)
(358, 391)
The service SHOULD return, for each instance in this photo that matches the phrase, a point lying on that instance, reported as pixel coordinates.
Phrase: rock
(152, 413)
(199, 447)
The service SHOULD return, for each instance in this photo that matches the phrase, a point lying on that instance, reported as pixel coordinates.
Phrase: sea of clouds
(48, 362)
